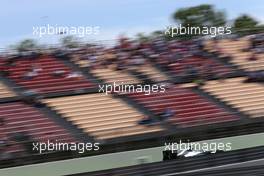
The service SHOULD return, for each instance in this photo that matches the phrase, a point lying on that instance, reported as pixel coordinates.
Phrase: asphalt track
(259, 162)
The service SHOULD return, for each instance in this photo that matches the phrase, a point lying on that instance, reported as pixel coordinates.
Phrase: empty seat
(100, 115)
(248, 97)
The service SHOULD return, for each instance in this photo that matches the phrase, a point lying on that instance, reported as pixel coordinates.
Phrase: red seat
(189, 107)
(20, 117)
(45, 82)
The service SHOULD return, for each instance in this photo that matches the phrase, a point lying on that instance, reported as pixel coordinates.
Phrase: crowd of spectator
(257, 43)
(35, 69)
(128, 54)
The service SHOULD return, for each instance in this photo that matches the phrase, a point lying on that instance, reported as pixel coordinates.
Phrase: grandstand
(132, 88)
(203, 99)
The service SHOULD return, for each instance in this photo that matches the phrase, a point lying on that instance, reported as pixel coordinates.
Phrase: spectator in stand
(30, 75)
(255, 77)
(166, 114)
(146, 121)
(2, 122)
(2, 132)
(252, 56)
(93, 59)
(58, 73)
(33, 72)
(75, 75)
(191, 72)
(137, 60)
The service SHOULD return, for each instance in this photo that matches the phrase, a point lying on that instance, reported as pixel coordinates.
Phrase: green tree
(245, 25)
(70, 42)
(142, 37)
(26, 45)
(156, 34)
(245, 22)
(198, 16)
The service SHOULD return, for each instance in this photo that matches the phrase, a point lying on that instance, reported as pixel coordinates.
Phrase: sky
(114, 17)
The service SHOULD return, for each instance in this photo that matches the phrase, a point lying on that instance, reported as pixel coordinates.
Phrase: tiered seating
(234, 49)
(45, 82)
(153, 73)
(19, 117)
(83, 63)
(199, 63)
(248, 97)
(5, 92)
(190, 108)
(209, 46)
(111, 75)
(101, 115)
